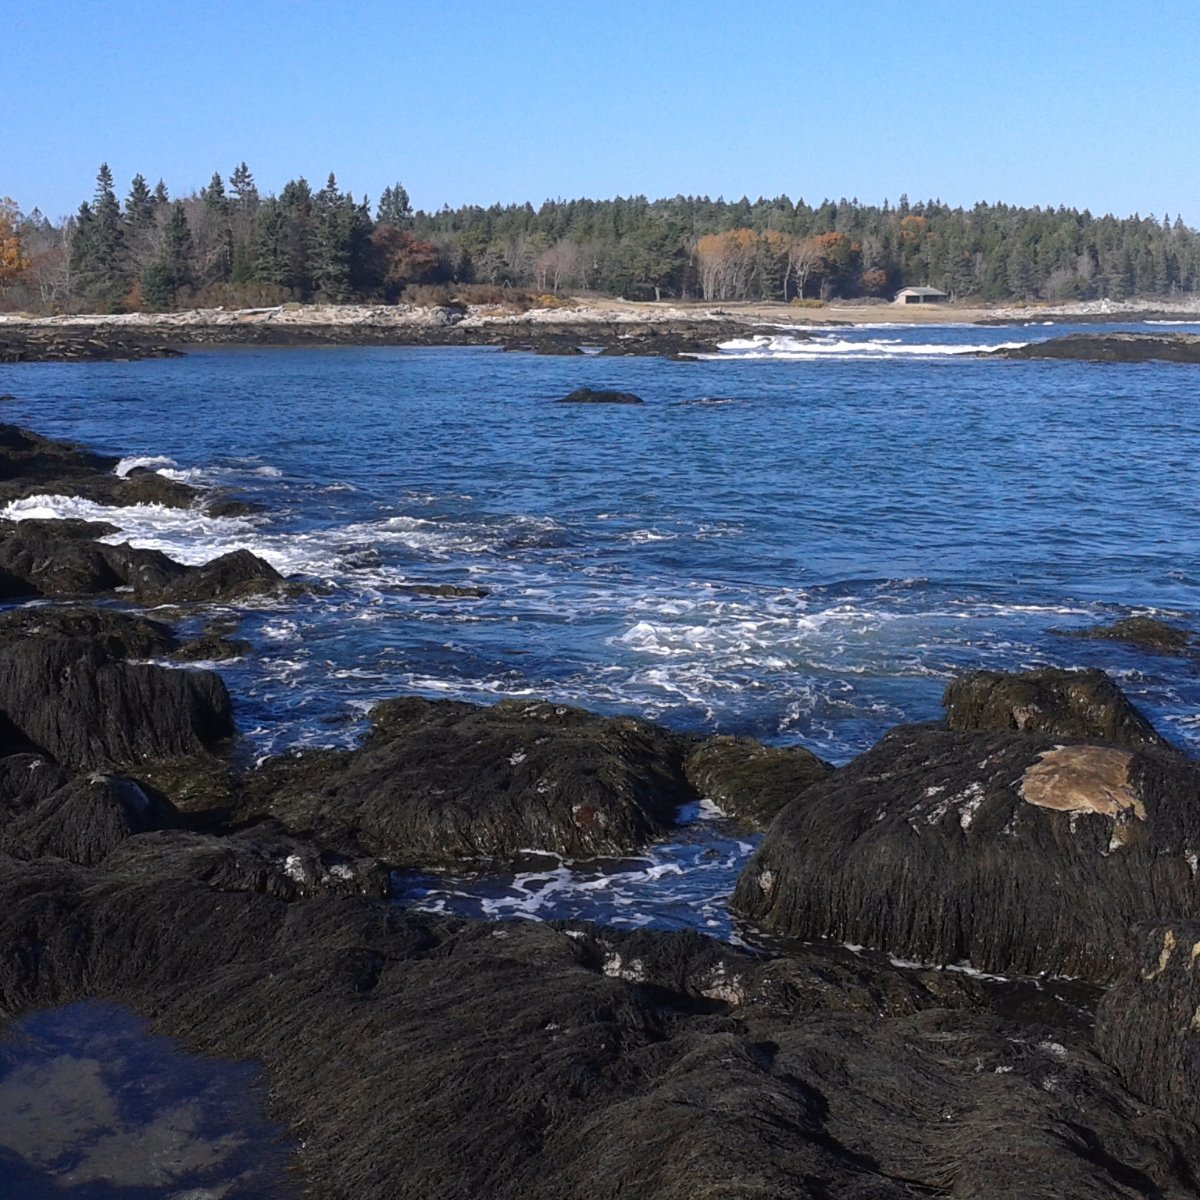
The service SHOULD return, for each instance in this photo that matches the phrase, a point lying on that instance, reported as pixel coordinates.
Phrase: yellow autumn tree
(13, 262)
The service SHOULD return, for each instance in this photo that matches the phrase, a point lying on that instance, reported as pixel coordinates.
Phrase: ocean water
(800, 540)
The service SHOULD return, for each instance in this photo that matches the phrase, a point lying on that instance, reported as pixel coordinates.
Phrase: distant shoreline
(604, 326)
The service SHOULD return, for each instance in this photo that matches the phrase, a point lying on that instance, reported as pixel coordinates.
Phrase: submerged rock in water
(1146, 633)
(439, 781)
(448, 1059)
(751, 781)
(1052, 701)
(444, 591)
(586, 395)
(1013, 851)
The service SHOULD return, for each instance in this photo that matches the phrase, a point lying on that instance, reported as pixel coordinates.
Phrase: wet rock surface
(56, 345)
(86, 707)
(1001, 849)
(415, 1055)
(1111, 348)
(1009, 849)
(425, 1056)
(586, 395)
(441, 780)
(1052, 701)
(1147, 1026)
(751, 781)
(1145, 633)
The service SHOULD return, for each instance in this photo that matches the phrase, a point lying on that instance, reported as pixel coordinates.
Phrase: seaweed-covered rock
(86, 708)
(232, 576)
(122, 635)
(84, 819)
(261, 859)
(1147, 1025)
(28, 457)
(1146, 633)
(437, 781)
(586, 395)
(749, 780)
(212, 649)
(1060, 703)
(447, 1060)
(59, 559)
(1015, 852)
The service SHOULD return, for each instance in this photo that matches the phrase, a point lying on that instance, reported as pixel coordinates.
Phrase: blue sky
(1087, 104)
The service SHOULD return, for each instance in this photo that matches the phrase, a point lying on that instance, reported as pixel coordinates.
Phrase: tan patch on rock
(1164, 956)
(1083, 779)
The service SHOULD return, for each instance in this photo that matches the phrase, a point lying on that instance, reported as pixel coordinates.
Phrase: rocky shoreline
(550, 332)
(1043, 828)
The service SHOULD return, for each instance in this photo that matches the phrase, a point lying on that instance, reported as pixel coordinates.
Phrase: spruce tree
(394, 208)
(172, 270)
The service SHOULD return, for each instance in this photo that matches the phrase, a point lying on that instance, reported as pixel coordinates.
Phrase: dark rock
(1146, 633)
(142, 486)
(84, 820)
(439, 781)
(585, 395)
(37, 561)
(29, 457)
(86, 708)
(1147, 1026)
(1068, 704)
(448, 1060)
(263, 860)
(61, 345)
(219, 507)
(120, 635)
(444, 590)
(1012, 851)
(63, 529)
(233, 576)
(1111, 348)
(212, 649)
(749, 780)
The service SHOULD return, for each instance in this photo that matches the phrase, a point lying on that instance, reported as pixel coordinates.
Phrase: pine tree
(139, 204)
(99, 263)
(394, 208)
(172, 271)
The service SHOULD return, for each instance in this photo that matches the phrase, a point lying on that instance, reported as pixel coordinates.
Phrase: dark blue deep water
(799, 541)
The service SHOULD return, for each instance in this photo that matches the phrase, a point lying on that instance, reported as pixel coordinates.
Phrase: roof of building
(920, 291)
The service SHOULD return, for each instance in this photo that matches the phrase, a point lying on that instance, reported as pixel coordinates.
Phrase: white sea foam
(151, 462)
(787, 348)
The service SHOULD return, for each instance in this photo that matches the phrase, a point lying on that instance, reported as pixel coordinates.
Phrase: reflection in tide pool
(93, 1107)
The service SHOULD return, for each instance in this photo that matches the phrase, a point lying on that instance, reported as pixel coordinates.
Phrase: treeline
(230, 245)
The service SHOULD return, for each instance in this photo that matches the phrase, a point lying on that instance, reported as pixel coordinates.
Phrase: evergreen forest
(232, 245)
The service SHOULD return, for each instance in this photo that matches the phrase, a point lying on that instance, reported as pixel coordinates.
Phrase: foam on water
(142, 462)
(682, 882)
(806, 560)
(783, 347)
